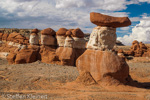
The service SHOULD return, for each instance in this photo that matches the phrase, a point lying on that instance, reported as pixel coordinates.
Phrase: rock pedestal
(102, 38)
(98, 64)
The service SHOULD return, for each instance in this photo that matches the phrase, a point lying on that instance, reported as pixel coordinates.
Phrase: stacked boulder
(71, 45)
(137, 49)
(34, 38)
(98, 64)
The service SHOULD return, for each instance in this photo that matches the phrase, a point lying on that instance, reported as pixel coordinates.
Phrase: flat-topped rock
(48, 31)
(61, 32)
(77, 33)
(109, 21)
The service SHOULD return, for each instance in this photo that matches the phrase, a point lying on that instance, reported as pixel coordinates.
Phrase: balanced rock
(102, 38)
(109, 21)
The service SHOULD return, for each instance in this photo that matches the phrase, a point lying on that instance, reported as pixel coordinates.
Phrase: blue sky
(75, 13)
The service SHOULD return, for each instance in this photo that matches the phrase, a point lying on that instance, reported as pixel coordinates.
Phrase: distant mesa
(109, 21)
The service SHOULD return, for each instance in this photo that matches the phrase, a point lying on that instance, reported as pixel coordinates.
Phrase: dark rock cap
(48, 31)
(109, 21)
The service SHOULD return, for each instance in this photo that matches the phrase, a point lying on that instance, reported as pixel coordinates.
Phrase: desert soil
(40, 81)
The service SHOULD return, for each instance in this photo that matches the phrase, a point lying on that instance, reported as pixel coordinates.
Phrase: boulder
(34, 39)
(100, 36)
(109, 21)
(77, 33)
(48, 40)
(61, 32)
(11, 58)
(26, 56)
(48, 31)
(103, 66)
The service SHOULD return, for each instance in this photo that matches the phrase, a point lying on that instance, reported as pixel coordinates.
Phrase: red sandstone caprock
(61, 32)
(48, 31)
(109, 21)
(77, 33)
(35, 30)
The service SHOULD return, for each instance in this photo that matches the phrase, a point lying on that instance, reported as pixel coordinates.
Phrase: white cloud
(71, 13)
(140, 32)
(111, 5)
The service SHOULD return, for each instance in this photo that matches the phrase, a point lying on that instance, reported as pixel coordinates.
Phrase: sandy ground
(40, 81)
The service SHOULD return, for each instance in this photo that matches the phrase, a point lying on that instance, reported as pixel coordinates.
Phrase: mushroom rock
(99, 63)
(109, 21)
(34, 39)
(61, 36)
(100, 36)
(47, 37)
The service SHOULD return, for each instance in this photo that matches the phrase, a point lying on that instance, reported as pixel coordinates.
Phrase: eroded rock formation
(98, 62)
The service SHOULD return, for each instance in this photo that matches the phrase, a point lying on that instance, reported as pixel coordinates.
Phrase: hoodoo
(99, 63)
